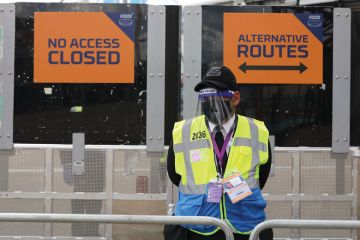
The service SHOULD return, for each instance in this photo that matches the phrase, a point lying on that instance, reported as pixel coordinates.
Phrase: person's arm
(265, 169)
(174, 177)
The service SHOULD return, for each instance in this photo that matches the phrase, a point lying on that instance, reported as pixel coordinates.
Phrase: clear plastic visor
(215, 105)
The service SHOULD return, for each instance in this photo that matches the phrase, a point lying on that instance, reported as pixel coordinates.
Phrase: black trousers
(176, 232)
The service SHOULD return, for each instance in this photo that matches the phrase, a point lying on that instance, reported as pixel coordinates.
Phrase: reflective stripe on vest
(185, 147)
(256, 146)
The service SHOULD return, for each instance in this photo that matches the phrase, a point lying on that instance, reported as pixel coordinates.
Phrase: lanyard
(220, 153)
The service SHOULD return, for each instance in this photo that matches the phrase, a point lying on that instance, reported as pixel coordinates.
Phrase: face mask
(217, 111)
(215, 105)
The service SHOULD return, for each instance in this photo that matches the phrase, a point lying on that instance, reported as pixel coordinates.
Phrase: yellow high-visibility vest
(195, 162)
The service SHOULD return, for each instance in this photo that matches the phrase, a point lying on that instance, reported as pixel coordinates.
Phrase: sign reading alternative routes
(274, 48)
(84, 47)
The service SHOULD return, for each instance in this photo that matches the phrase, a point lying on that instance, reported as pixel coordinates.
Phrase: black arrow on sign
(301, 67)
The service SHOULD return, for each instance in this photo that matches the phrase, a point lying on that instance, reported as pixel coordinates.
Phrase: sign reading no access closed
(274, 48)
(84, 47)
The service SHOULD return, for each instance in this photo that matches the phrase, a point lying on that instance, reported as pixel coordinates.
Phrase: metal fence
(301, 224)
(313, 183)
(123, 219)
(306, 183)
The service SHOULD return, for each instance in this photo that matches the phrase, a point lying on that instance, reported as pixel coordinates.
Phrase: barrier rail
(128, 219)
(307, 183)
(286, 223)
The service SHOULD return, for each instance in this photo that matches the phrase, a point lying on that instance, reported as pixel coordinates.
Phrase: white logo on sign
(314, 21)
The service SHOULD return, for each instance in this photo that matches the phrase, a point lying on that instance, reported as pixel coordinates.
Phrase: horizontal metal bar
(69, 146)
(163, 196)
(309, 224)
(83, 196)
(140, 196)
(54, 195)
(143, 147)
(7, 237)
(314, 2)
(60, 170)
(356, 150)
(310, 197)
(127, 219)
(303, 149)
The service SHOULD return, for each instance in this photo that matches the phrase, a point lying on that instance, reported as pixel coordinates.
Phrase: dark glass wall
(172, 70)
(298, 115)
(355, 77)
(111, 113)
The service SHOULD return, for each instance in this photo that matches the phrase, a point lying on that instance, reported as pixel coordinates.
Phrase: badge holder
(236, 188)
(214, 191)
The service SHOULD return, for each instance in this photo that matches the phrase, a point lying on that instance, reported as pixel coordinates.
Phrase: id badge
(236, 188)
(215, 191)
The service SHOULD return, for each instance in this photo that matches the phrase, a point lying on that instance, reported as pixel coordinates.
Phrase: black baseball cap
(219, 78)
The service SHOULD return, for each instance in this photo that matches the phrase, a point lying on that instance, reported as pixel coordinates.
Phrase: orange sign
(274, 48)
(84, 47)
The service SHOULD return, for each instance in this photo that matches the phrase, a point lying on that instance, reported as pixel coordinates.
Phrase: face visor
(215, 105)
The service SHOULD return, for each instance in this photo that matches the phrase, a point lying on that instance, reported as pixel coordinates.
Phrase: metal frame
(84, 196)
(109, 188)
(109, 196)
(192, 24)
(87, 147)
(78, 153)
(296, 180)
(155, 103)
(192, 19)
(126, 219)
(62, 238)
(48, 188)
(299, 224)
(7, 48)
(296, 197)
(341, 80)
(314, 2)
(309, 197)
(354, 173)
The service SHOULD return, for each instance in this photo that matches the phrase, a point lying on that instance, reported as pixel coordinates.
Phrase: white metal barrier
(128, 219)
(313, 224)
(307, 183)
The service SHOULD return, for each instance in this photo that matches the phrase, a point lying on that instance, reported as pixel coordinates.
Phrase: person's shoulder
(179, 124)
(249, 118)
(188, 120)
(258, 122)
